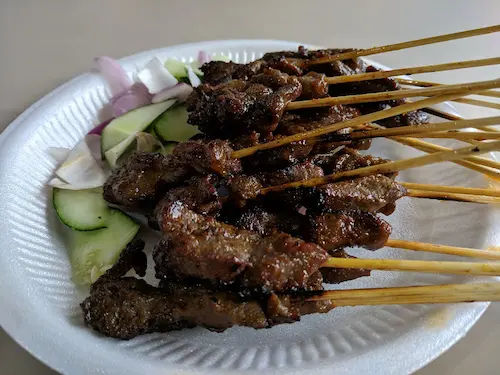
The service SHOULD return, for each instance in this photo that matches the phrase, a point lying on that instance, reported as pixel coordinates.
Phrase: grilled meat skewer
(125, 307)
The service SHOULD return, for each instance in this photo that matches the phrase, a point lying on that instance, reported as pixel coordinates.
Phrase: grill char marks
(240, 106)
(126, 307)
(142, 308)
(295, 152)
(195, 246)
(334, 231)
(141, 181)
(369, 194)
(138, 183)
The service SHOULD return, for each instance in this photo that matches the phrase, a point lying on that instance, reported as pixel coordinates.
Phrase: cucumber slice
(176, 68)
(81, 209)
(94, 252)
(172, 125)
(114, 153)
(131, 122)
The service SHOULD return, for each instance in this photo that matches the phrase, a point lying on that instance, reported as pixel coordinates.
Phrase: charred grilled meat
(125, 307)
(196, 246)
(239, 106)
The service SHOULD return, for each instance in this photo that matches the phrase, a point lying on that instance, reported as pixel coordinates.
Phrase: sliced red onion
(99, 128)
(135, 97)
(193, 78)
(114, 74)
(94, 144)
(203, 57)
(180, 91)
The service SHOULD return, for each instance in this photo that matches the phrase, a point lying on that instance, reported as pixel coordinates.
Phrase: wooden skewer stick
(478, 103)
(390, 167)
(412, 82)
(485, 166)
(443, 249)
(428, 266)
(452, 196)
(375, 116)
(452, 189)
(450, 293)
(390, 95)
(461, 136)
(404, 45)
(452, 117)
(413, 70)
(475, 160)
(413, 130)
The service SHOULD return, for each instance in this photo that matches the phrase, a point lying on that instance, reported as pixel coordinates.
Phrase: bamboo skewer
(414, 130)
(452, 189)
(443, 249)
(392, 95)
(412, 82)
(391, 167)
(375, 116)
(452, 196)
(452, 117)
(477, 103)
(475, 160)
(404, 45)
(461, 136)
(450, 293)
(413, 70)
(427, 266)
(485, 166)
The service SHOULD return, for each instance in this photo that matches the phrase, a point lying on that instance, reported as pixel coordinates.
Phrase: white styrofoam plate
(39, 303)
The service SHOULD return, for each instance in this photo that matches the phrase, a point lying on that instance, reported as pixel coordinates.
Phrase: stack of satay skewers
(256, 211)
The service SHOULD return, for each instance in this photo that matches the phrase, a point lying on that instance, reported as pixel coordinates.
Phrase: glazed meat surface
(337, 230)
(239, 106)
(369, 193)
(196, 246)
(125, 307)
(142, 180)
(138, 183)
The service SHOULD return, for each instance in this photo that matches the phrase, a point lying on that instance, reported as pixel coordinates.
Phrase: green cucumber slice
(176, 68)
(130, 123)
(94, 252)
(81, 209)
(114, 153)
(172, 125)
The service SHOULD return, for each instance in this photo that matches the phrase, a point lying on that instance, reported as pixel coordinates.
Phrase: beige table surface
(43, 43)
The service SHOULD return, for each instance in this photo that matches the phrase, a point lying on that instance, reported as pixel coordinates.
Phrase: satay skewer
(427, 266)
(452, 189)
(414, 130)
(390, 167)
(452, 117)
(404, 45)
(448, 293)
(413, 70)
(413, 82)
(461, 136)
(485, 166)
(371, 117)
(467, 88)
(443, 249)
(476, 102)
(452, 196)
